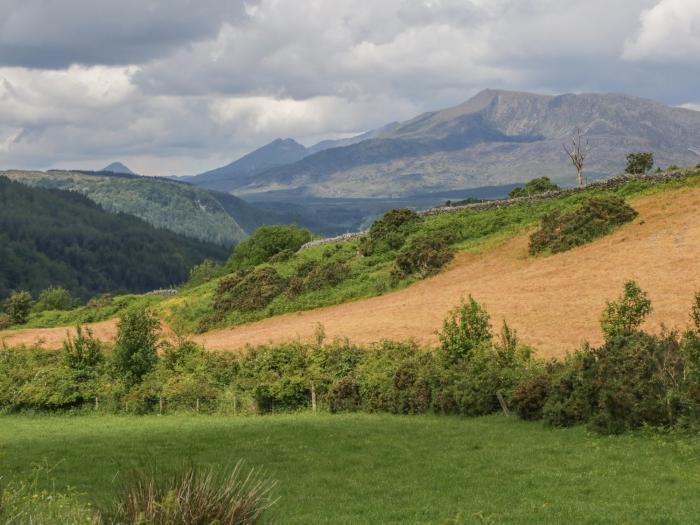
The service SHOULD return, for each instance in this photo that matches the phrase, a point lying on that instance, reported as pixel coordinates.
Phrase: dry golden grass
(553, 302)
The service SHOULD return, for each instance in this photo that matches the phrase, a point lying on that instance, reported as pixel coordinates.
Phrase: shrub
(597, 216)
(534, 187)
(248, 291)
(18, 306)
(5, 321)
(623, 317)
(54, 298)
(530, 396)
(344, 395)
(266, 242)
(639, 163)
(466, 327)
(136, 345)
(425, 256)
(194, 496)
(314, 275)
(203, 273)
(389, 232)
(84, 357)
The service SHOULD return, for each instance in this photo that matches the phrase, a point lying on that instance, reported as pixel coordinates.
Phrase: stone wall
(607, 184)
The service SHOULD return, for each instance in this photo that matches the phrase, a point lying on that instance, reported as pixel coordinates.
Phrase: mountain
(52, 237)
(241, 171)
(339, 143)
(163, 203)
(495, 138)
(118, 167)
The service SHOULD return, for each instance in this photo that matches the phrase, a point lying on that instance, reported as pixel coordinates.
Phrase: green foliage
(467, 327)
(534, 187)
(389, 232)
(194, 496)
(315, 275)
(18, 306)
(265, 243)
(83, 354)
(54, 298)
(136, 345)
(62, 239)
(424, 256)
(248, 290)
(639, 163)
(597, 216)
(203, 272)
(623, 317)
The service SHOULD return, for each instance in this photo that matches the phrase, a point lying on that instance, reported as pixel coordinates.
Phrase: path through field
(553, 302)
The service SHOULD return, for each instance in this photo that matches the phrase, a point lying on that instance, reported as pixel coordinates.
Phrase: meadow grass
(356, 469)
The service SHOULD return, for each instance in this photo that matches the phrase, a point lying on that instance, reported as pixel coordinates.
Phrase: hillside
(61, 238)
(496, 137)
(163, 203)
(118, 167)
(533, 293)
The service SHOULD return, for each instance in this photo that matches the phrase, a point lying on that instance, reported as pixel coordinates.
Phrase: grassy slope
(478, 230)
(358, 469)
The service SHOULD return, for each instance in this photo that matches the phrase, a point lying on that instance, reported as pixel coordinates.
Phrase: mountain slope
(496, 137)
(164, 203)
(118, 167)
(54, 237)
(239, 172)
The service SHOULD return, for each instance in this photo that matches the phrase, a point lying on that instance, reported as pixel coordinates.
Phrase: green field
(357, 469)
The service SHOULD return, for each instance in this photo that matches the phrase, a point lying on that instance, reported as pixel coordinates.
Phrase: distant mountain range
(494, 138)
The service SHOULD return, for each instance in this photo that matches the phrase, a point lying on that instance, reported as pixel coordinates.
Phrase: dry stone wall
(606, 184)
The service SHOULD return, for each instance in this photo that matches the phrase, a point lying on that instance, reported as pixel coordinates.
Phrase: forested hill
(61, 238)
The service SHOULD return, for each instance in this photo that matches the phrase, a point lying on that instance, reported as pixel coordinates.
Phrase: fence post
(502, 402)
(197, 405)
(313, 397)
(97, 403)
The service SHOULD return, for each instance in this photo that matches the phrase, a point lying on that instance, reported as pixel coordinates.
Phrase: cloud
(181, 86)
(669, 31)
(58, 34)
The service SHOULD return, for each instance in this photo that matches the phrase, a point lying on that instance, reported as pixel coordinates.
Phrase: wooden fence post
(97, 403)
(197, 405)
(502, 402)
(313, 397)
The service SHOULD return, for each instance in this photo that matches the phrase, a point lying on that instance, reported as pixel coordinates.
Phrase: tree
(623, 317)
(136, 347)
(466, 327)
(18, 306)
(535, 186)
(577, 152)
(640, 162)
(54, 298)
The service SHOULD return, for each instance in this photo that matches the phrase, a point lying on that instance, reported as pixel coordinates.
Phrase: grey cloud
(53, 34)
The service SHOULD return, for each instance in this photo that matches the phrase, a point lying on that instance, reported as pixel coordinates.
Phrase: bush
(425, 256)
(194, 496)
(466, 327)
(639, 163)
(136, 345)
(18, 306)
(623, 317)
(203, 273)
(344, 395)
(247, 291)
(530, 396)
(314, 275)
(54, 298)
(597, 216)
(266, 242)
(389, 232)
(534, 187)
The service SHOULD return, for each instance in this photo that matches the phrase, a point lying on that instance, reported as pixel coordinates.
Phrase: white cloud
(669, 31)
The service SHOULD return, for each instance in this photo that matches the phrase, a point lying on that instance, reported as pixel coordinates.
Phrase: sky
(176, 87)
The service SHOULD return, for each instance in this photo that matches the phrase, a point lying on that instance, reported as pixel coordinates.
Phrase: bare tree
(577, 152)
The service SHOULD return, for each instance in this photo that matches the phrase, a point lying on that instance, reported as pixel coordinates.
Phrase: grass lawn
(359, 469)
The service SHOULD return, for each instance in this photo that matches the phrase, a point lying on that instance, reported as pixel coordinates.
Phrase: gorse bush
(18, 306)
(54, 298)
(315, 275)
(248, 290)
(389, 232)
(597, 216)
(265, 243)
(534, 187)
(424, 256)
